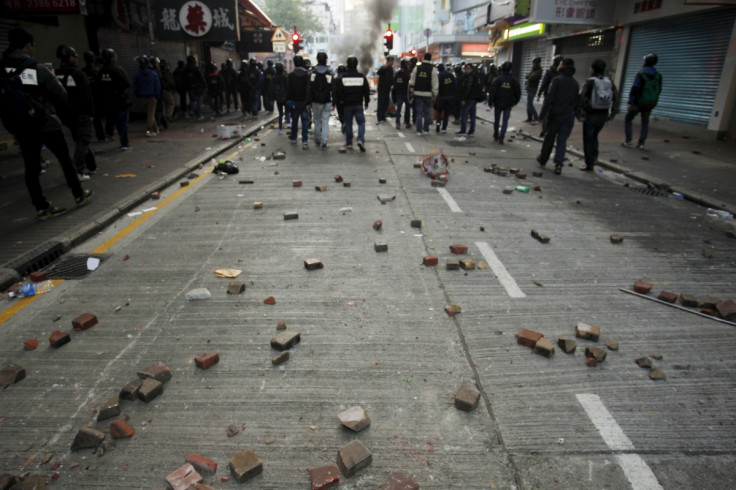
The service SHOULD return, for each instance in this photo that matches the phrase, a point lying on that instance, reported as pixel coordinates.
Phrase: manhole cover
(72, 266)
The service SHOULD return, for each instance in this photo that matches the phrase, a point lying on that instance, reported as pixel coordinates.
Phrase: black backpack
(321, 86)
(18, 109)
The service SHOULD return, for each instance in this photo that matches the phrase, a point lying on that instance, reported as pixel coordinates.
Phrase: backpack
(321, 86)
(602, 94)
(649, 95)
(18, 109)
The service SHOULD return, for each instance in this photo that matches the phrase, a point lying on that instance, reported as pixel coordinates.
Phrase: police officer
(79, 110)
(445, 98)
(425, 86)
(230, 80)
(352, 90)
(114, 82)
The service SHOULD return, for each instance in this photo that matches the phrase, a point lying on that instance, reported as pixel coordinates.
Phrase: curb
(49, 251)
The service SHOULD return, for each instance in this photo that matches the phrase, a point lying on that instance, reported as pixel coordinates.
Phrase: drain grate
(648, 191)
(72, 266)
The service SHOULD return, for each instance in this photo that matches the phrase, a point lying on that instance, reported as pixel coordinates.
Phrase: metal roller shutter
(585, 49)
(171, 52)
(691, 51)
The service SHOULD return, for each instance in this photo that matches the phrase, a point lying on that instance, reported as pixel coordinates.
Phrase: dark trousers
(299, 111)
(267, 101)
(84, 158)
(255, 101)
(401, 101)
(382, 105)
(592, 125)
(231, 93)
(183, 106)
(30, 146)
(117, 119)
(630, 115)
(444, 107)
(245, 104)
(559, 128)
(97, 122)
(501, 116)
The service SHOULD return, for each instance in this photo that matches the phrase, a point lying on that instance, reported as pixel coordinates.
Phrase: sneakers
(558, 169)
(361, 145)
(470, 135)
(49, 212)
(151, 133)
(324, 146)
(444, 131)
(419, 133)
(126, 147)
(460, 133)
(627, 144)
(305, 145)
(348, 146)
(640, 146)
(84, 199)
(82, 176)
(585, 168)
(292, 141)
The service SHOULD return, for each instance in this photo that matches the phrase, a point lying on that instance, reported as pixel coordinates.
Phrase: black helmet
(229, 62)
(506, 67)
(556, 60)
(107, 55)
(537, 60)
(252, 61)
(404, 63)
(279, 68)
(341, 69)
(143, 61)
(352, 63)
(650, 59)
(322, 58)
(89, 57)
(65, 52)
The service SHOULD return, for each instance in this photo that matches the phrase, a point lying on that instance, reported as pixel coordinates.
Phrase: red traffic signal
(388, 39)
(413, 52)
(296, 41)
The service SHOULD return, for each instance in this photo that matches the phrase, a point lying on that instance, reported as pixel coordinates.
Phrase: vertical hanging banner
(195, 20)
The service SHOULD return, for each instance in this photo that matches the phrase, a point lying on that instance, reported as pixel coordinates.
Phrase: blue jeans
(504, 124)
(531, 111)
(424, 106)
(299, 111)
(289, 104)
(468, 111)
(349, 112)
(630, 115)
(121, 123)
(195, 104)
(321, 118)
(400, 101)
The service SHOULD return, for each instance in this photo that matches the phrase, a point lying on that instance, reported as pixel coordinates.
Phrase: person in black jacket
(115, 84)
(560, 105)
(230, 81)
(598, 102)
(180, 81)
(504, 94)
(471, 92)
(351, 90)
(40, 84)
(255, 86)
(445, 98)
(268, 74)
(279, 92)
(400, 94)
(297, 91)
(214, 87)
(549, 75)
(196, 85)
(320, 99)
(79, 110)
(91, 68)
(385, 81)
(532, 84)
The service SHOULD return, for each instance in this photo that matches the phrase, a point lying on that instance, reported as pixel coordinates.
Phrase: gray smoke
(364, 30)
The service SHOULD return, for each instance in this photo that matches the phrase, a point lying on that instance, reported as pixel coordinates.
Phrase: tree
(290, 13)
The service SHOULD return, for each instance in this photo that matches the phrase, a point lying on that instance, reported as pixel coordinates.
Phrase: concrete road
(374, 331)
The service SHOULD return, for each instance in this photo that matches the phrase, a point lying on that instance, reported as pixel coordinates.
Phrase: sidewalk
(124, 179)
(678, 157)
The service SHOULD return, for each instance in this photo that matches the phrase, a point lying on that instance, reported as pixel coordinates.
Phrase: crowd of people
(94, 101)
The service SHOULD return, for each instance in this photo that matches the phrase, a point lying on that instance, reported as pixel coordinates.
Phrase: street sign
(279, 47)
(279, 35)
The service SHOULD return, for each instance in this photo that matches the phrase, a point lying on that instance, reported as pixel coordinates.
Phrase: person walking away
(560, 103)
(279, 91)
(320, 98)
(471, 92)
(30, 93)
(115, 84)
(549, 75)
(400, 94)
(91, 68)
(297, 91)
(168, 90)
(244, 88)
(180, 81)
(214, 87)
(643, 97)
(425, 86)
(411, 101)
(532, 84)
(385, 81)
(147, 87)
(445, 97)
(196, 85)
(504, 94)
(230, 81)
(268, 74)
(598, 102)
(354, 92)
(341, 69)
(79, 110)
(255, 85)
(163, 124)
(489, 77)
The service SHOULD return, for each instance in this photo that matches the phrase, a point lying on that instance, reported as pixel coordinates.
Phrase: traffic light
(413, 52)
(388, 39)
(296, 41)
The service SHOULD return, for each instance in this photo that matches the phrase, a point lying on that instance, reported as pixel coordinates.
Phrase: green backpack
(650, 91)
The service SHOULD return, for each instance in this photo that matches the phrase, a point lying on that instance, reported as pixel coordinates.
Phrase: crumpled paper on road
(227, 273)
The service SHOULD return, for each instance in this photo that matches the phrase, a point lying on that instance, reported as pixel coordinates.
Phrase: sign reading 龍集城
(573, 12)
(213, 20)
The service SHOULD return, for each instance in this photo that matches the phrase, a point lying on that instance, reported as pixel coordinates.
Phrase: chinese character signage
(213, 20)
(592, 12)
(43, 7)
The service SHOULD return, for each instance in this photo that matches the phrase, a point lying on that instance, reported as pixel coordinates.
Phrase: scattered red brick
(270, 300)
(430, 260)
(642, 287)
(528, 338)
(201, 463)
(59, 338)
(119, 429)
(38, 276)
(667, 296)
(458, 249)
(84, 321)
(30, 344)
(377, 224)
(205, 361)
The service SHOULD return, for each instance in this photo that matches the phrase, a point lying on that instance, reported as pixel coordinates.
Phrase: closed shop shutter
(530, 50)
(171, 52)
(127, 46)
(691, 51)
(585, 49)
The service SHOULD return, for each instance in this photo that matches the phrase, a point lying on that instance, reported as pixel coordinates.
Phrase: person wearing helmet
(114, 82)
(255, 86)
(352, 89)
(279, 91)
(244, 88)
(196, 86)
(297, 91)
(79, 110)
(268, 74)
(504, 94)
(643, 97)
(532, 84)
(91, 68)
(400, 93)
(214, 87)
(230, 81)
(320, 98)
(147, 87)
(385, 81)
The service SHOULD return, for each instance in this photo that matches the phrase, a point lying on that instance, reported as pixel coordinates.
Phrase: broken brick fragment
(201, 463)
(130, 391)
(709, 302)
(235, 287)
(257, 205)
(158, 371)
(84, 321)
(452, 265)
(323, 477)
(466, 397)
(150, 389)
(612, 345)
(285, 340)
(297, 183)
(688, 300)
(667, 296)
(320, 188)
(438, 183)
(109, 409)
(708, 311)
(416, 223)
(616, 239)
(38, 276)
(458, 249)
(353, 458)
(544, 347)
(399, 481)
(467, 264)
(567, 344)
(355, 418)
(30, 344)
(119, 429)
(245, 465)
(11, 374)
(281, 325)
(86, 438)
(453, 310)
(656, 374)
(377, 224)
(528, 338)
(591, 362)
(270, 300)
(281, 358)
(587, 332)
(595, 352)
(312, 264)
(183, 478)
(727, 309)
(642, 287)
(430, 260)
(380, 247)
(59, 338)
(520, 175)
(338, 178)
(205, 361)
(643, 362)
(291, 215)
(541, 238)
